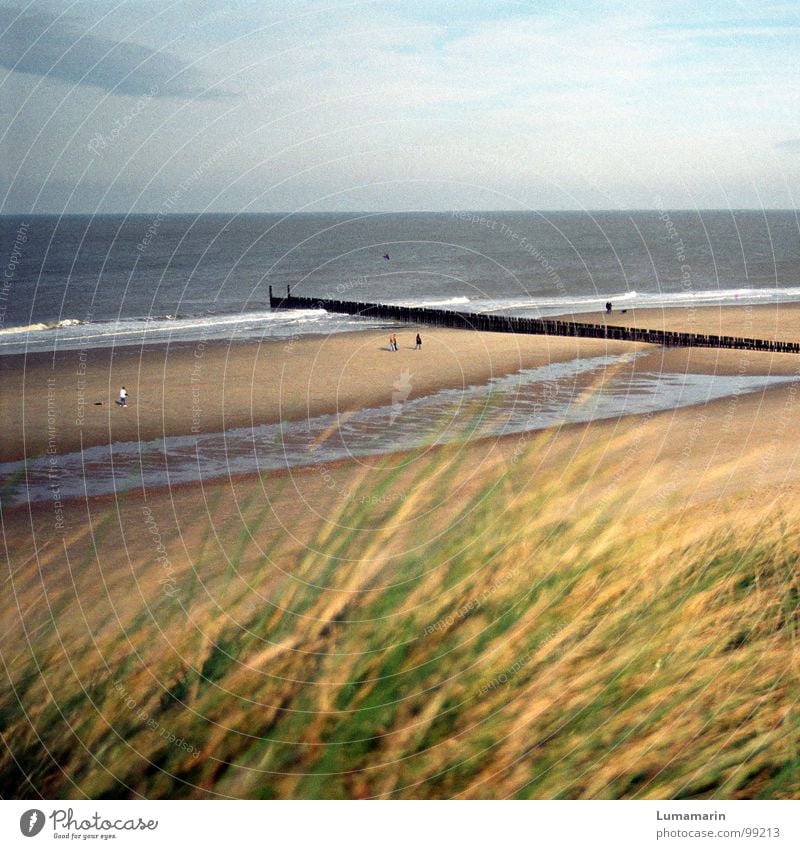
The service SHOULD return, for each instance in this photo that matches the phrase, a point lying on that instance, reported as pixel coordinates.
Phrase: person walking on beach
(123, 397)
(393, 342)
(419, 342)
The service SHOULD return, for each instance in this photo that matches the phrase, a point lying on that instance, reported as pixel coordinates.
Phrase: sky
(259, 106)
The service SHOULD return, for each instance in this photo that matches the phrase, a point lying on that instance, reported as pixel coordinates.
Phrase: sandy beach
(258, 543)
(778, 322)
(209, 387)
(637, 572)
(69, 400)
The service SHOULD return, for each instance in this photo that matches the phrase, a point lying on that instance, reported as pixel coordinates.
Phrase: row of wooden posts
(541, 326)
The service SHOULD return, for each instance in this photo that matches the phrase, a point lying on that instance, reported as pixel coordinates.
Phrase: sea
(83, 281)
(76, 282)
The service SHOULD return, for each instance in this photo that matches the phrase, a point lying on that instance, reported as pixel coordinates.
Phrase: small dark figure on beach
(419, 342)
(608, 306)
(123, 397)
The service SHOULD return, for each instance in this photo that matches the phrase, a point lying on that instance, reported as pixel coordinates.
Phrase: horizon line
(406, 211)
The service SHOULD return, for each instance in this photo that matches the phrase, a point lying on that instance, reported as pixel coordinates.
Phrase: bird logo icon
(31, 822)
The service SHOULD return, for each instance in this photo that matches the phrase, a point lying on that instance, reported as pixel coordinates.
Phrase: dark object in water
(386, 256)
(494, 323)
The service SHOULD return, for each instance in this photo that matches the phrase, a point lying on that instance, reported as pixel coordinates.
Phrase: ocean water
(81, 281)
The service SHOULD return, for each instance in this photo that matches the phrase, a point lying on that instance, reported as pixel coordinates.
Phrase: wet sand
(66, 402)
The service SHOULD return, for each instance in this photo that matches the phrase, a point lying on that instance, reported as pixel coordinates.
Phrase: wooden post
(493, 322)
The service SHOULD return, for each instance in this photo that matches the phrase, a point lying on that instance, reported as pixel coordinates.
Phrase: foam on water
(268, 324)
(125, 287)
(70, 334)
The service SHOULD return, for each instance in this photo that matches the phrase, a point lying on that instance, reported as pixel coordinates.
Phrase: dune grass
(526, 634)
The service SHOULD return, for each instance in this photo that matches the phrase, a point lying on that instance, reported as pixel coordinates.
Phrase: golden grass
(487, 630)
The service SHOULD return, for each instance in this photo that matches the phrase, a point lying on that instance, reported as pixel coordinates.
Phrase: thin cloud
(56, 48)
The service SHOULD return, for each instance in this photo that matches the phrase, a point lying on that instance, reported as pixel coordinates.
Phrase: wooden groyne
(493, 323)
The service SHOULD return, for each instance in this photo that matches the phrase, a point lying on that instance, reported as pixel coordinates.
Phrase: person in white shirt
(123, 397)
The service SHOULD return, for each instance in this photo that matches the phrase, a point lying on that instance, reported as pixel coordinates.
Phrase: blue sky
(254, 106)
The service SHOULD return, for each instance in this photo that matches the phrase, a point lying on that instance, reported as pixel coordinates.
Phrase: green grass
(578, 654)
